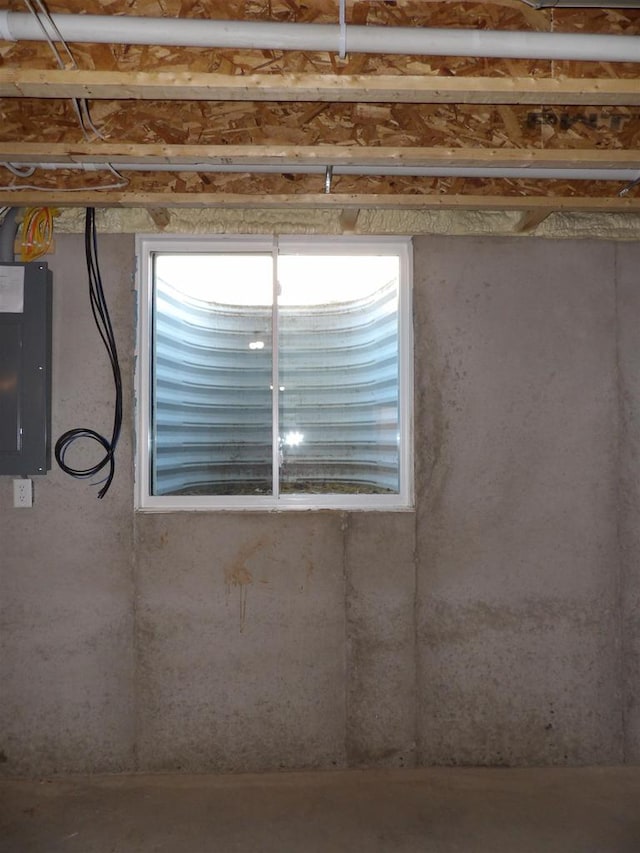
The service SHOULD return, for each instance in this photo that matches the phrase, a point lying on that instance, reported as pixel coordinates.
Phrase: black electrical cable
(103, 322)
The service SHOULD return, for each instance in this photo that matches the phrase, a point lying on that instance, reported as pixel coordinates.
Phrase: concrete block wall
(496, 624)
(66, 583)
(518, 569)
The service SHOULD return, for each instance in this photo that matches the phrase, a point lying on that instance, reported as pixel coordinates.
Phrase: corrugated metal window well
(274, 374)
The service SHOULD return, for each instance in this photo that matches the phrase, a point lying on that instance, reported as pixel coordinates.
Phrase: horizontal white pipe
(269, 35)
(372, 171)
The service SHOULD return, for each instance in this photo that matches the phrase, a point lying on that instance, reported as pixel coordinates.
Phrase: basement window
(274, 374)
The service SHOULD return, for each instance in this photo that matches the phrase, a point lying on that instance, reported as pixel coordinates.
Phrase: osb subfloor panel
(255, 123)
(560, 810)
(303, 124)
(347, 124)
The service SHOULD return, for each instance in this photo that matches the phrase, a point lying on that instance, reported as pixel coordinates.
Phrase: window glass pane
(338, 374)
(211, 431)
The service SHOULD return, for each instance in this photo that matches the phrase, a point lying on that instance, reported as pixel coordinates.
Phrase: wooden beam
(119, 154)
(160, 217)
(530, 220)
(349, 219)
(388, 201)
(337, 88)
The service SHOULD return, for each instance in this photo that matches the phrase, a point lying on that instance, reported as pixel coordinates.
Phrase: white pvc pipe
(372, 171)
(268, 35)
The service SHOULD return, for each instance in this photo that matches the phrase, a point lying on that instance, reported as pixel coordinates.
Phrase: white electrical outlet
(23, 493)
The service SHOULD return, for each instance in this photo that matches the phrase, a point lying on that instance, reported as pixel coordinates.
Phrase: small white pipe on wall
(269, 35)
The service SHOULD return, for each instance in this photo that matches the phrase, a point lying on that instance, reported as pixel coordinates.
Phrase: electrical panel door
(25, 368)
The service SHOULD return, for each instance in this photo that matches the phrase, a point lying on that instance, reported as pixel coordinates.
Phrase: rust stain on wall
(237, 574)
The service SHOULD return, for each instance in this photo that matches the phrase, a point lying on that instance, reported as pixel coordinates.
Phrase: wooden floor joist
(387, 201)
(337, 88)
(349, 219)
(119, 154)
(530, 220)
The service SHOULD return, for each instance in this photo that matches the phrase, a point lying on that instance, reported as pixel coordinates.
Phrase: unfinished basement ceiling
(176, 106)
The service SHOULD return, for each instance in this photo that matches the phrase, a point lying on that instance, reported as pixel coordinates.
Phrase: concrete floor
(560, 810)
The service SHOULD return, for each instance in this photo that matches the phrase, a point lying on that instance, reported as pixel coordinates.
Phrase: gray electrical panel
(25, 368)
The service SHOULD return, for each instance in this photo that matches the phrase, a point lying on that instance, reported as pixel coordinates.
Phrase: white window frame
(146, 246)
